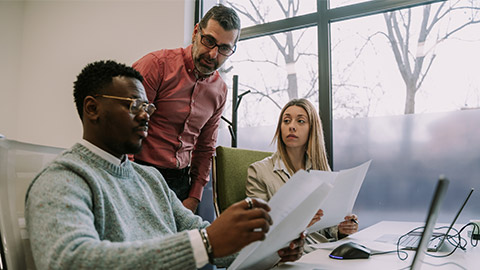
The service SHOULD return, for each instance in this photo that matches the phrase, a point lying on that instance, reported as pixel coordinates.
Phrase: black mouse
(350, 250)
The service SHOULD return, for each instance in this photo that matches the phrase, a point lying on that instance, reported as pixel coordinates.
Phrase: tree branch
(244, 12)
(257, 61)
(424, 74)
(285, 11)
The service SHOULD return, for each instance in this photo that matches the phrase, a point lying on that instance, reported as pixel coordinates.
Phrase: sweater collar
(124, 171)
(103, 154)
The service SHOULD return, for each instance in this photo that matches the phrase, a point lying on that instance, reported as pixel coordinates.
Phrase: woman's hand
(316, 217)
(348, 226)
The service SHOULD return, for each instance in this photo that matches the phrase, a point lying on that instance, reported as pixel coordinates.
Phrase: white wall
(45, 44)
(11, 14)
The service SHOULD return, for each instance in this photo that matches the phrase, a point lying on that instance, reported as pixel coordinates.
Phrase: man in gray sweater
(92, 208)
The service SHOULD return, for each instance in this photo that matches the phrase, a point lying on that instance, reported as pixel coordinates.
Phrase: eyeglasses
(136, 105)
(210, 43)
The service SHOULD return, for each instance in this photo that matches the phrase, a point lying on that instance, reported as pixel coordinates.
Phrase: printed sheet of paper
(339, 202)
(294, 205)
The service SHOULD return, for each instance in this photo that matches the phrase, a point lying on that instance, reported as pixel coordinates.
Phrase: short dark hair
(96, 76)
(225, 16)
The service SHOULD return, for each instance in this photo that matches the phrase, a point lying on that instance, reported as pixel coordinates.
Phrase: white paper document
(341, 198)
(295, 204)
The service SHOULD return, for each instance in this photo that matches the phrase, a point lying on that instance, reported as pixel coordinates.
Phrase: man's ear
(91, 109)
(195, 31)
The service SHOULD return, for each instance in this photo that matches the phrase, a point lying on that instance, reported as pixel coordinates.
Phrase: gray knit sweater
(84, 212)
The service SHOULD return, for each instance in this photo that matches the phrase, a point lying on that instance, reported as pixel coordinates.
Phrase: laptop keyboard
(410, 241)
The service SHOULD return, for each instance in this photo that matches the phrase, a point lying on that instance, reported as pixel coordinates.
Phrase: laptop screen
(432, 215)
(455, 219)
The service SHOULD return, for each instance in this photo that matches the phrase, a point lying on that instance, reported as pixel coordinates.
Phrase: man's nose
(213, 52)
(143, 115)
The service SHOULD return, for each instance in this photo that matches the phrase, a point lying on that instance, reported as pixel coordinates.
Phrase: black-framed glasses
(211, 43)
(136, 104)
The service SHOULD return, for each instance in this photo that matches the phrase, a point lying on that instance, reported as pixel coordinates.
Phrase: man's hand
(191, 203)
(294, 251)
(238, 226)
(316, 217)
(348, 226)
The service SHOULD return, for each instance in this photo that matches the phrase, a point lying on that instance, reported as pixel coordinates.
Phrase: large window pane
(255, 12)
(275, 69)
(406, 95)
(393, 63)
(408, 154)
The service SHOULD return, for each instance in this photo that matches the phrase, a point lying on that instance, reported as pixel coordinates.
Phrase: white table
(318, 259)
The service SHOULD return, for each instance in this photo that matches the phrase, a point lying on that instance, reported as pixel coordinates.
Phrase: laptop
(432, 215)
(410, 241)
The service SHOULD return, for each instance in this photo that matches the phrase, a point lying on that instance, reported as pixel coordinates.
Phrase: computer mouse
(350, 250)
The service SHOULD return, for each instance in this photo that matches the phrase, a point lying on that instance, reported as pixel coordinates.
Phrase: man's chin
(205, 69)
(134, 148)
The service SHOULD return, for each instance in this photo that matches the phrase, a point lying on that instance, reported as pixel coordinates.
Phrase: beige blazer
(266, 177)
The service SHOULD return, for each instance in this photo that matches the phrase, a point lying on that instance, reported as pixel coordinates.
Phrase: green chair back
(230, 174)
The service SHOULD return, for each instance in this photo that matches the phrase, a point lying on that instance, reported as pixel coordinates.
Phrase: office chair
(19, 163)
(229, 175)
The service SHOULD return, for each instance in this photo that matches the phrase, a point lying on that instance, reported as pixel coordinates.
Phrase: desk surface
(319, 259)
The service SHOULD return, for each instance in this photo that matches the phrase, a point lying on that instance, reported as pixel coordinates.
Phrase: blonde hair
(315, 148)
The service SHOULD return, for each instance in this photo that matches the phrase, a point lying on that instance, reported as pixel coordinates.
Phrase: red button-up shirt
(183, 129)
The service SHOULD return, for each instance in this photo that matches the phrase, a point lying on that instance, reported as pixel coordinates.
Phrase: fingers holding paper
(316, 217)
(294, 250)
(239, 225)
(251, 203)
(349, 226)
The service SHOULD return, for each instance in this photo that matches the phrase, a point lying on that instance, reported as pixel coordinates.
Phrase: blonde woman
(300, 146)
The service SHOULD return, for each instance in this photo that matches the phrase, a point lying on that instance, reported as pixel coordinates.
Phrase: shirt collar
(103, 154)
(279, 165)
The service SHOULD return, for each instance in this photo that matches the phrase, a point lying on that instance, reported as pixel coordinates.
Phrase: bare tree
(415, 58)
(287, 46)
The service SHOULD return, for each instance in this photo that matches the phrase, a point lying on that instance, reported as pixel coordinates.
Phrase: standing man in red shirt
(190, 96)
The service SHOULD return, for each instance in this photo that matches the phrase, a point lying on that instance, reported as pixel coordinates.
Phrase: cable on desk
(399, 240)
(390, 251)
(446, 263)
(456, 240)
(462, 242)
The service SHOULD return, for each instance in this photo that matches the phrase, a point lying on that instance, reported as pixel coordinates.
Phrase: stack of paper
(295, 204)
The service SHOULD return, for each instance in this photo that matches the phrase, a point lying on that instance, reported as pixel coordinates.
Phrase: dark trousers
(177, 179)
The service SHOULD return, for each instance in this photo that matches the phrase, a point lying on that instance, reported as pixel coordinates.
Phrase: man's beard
(204, 69)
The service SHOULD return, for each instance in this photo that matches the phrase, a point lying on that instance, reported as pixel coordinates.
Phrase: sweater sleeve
(185, 222)
(64, 232)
